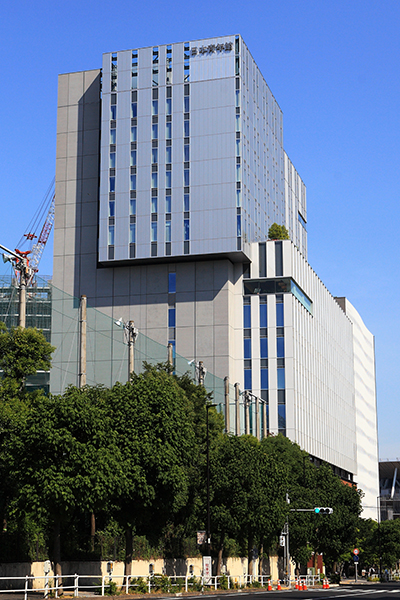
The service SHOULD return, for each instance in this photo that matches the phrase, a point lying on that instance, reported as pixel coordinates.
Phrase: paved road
(376, 591)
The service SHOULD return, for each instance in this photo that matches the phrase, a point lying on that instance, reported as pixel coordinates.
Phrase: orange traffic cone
(324, 585)
(327, 584)
(278, 587)
(304, 585)
(269, 585)
(296, 584)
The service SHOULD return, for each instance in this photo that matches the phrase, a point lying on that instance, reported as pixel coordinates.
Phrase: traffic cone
(304, 585)
(327, 584)
(269, 585)
(324, 584)
(278, 587)
(296, 584)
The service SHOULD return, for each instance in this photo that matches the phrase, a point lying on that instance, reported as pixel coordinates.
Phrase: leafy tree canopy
(278, 232)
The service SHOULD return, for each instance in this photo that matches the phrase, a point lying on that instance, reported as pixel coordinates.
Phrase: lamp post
(131, 334)
(208, 406)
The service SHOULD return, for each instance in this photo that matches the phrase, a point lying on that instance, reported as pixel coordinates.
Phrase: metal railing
(78, 584)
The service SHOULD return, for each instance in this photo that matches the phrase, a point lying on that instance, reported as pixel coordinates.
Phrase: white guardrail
(79, 584)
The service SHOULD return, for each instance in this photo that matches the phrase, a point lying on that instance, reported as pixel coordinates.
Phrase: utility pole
(82, 353)
(227, 415)
(20, 262)
(131, 334)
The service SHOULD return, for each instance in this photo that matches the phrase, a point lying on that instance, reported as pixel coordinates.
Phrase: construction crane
(26, 266)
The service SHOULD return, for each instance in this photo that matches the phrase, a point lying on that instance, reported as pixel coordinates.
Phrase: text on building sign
(211, 49)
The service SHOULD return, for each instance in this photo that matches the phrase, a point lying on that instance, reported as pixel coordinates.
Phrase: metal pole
(247, 413)
(131, 341)
(22, 298)
(83, 330)
(257, 417)
(227, 416)
(201, 373)
(208, 483)
(237, 410)
(264, 426)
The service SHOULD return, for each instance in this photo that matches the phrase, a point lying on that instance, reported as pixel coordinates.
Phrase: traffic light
(319, 510)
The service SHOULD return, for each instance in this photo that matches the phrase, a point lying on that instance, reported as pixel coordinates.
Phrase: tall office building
(170, 171)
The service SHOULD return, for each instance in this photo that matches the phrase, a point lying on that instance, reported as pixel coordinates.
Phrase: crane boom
(37, 249)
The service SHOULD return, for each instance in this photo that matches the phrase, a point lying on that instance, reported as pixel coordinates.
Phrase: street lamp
(130, 333)
(208, 406)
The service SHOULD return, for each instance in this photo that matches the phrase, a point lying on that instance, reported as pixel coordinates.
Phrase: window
(171, 317)
(186, 104)
(278, 259)
(134, 110)
(186, 206)
(186, 130)
(154, 231)
(154, 131)
(168, 231)
(186, 177)
(132, 233)
(113, 136)
(134, 134)
(262, 260)
(154, 155)
(154, 107)
(168, 204)
(154, 204)
(168, 179)
(171, 283)
(280, 347)
(111, 235)
(263, 315)
(247, 316)
(281, 378)
(279, 315)
(282, 418)
(168, 106)
(132, 206)
(111, 209)
(154, 180)
(133, 158)
(133, 182)
(264, 379)
(238, 226)
(168, 131)
(112, 184)
(112, 160)
(186, 230)
(247, 379)
(264, 347)
(113, 112)
(168, 154)
(247, 348)
(186, 153)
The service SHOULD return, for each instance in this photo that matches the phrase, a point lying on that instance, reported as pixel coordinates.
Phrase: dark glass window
(278, 260)
(263, 315)
(280, 347)
(264, 348)
(264, 379)
(262, 260)
(171, 317)
(247, 379)
(246, 316)
(247, 348)
(281, 378)
(171, 283)
(281, 417)
(279, 315)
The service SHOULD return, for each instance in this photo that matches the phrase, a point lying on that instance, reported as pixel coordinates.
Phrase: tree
(247, 494)
(60, 455)
(23, 352)
(278, 232)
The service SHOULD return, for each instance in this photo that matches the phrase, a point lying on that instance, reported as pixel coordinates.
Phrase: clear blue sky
(334, 68)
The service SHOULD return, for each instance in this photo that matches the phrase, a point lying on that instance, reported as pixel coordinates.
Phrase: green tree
(387, 539)
(60, 456)
(153, 419)
(22, 353)
(278, 232)
(247, 494)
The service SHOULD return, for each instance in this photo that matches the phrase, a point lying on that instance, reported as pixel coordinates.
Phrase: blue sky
(333, 67)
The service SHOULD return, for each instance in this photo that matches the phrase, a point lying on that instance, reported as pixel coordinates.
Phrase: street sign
(356, 551)
(207, 569)
(356, 558)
